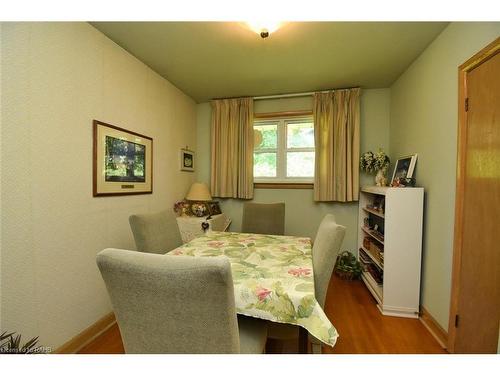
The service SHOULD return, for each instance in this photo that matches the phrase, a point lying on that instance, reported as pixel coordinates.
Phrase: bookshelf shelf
(390, 247)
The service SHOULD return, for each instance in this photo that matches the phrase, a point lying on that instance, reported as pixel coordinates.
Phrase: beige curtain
(232, 148)
(336, 139)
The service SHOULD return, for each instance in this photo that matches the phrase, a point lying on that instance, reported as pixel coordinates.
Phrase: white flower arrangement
(373, 162)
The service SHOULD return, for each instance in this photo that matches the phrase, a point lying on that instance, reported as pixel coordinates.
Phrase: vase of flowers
(375, 162)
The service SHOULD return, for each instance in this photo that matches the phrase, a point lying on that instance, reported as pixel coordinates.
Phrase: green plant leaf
(11, 343)
(30, 345)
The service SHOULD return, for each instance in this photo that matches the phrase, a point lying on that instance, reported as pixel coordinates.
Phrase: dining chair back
(171, 304)
(156, 232)
(263, 218)
(326, 246)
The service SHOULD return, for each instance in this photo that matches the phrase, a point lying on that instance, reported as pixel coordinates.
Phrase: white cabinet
(390, 247)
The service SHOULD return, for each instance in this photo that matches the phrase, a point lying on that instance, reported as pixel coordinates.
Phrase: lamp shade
(198, 192)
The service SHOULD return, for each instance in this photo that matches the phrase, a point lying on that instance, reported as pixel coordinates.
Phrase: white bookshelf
(401, 224)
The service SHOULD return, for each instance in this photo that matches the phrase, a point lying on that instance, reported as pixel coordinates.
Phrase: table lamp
(198, 194)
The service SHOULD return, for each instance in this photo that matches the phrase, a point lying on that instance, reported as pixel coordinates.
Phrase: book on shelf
(377, 275)
(375, 233)
(365, 259)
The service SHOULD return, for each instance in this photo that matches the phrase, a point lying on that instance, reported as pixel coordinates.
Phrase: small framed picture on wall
(187, 160)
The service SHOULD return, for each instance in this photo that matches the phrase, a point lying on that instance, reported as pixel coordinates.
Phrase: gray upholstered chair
(326, 246)
(155, 233)
(177, 304)
(263, 218)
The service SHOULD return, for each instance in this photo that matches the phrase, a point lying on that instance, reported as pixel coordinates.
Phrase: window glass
(265, 136)
(300, 164)
(264, 164)
(300, 135)
(284, 150)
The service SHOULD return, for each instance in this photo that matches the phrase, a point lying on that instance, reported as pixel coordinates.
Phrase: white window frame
(282, 149)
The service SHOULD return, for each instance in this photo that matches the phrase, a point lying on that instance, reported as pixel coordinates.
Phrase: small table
(190, 226)
(273, 278)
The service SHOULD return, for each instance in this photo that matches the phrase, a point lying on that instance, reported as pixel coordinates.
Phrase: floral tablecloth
(272, 276)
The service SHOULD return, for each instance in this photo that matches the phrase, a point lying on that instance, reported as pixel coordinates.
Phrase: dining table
(273, 279)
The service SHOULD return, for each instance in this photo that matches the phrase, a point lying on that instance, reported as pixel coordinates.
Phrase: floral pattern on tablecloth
(272, 275)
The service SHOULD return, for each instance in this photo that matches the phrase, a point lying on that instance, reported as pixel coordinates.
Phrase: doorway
(475, 297)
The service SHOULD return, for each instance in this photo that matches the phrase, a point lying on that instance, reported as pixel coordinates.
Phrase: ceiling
(225, 59)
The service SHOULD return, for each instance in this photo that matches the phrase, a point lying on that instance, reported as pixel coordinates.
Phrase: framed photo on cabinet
(122, 161)
(404, 168)
(214, 208)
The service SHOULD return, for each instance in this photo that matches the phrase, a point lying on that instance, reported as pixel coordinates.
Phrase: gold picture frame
(122, 161)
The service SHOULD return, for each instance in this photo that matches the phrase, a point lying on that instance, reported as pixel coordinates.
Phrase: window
(284, 150)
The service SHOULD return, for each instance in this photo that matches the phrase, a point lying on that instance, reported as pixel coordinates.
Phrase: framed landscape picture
(123, 161)
(187, 160)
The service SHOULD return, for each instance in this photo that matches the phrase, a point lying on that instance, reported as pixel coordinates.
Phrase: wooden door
(475, 308)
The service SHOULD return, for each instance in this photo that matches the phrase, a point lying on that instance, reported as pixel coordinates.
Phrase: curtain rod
(298, 94)
(284, 95)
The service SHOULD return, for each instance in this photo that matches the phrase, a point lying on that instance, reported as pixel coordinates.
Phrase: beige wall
(56, 78)
(303, 215)
(424, 121)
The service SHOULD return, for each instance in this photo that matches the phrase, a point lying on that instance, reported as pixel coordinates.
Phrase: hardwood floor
(110, 342)
(352, 310)
(364, 330)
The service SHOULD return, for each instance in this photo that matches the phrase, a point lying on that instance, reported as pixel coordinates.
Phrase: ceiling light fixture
(264, 28)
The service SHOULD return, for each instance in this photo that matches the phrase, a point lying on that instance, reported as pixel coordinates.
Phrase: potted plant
(375, 162)
(11, 344)
(347, 266)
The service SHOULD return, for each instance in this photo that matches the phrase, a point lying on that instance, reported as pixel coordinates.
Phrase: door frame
(486, 53)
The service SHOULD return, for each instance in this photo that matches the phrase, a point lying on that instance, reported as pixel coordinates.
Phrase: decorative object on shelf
(205, 226)
(403, 182)
(122, 161)
(380, 179)
(347, 266)
(376, 249)
(375, 162)
(198, 196)
(214, 208)
(199, 209)
(182, 208)
(366, 222)
(366, 242)
(403, 171)
(178, 207)
(376, 233)
(379, 204)
(191, 226)
(187, 160)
